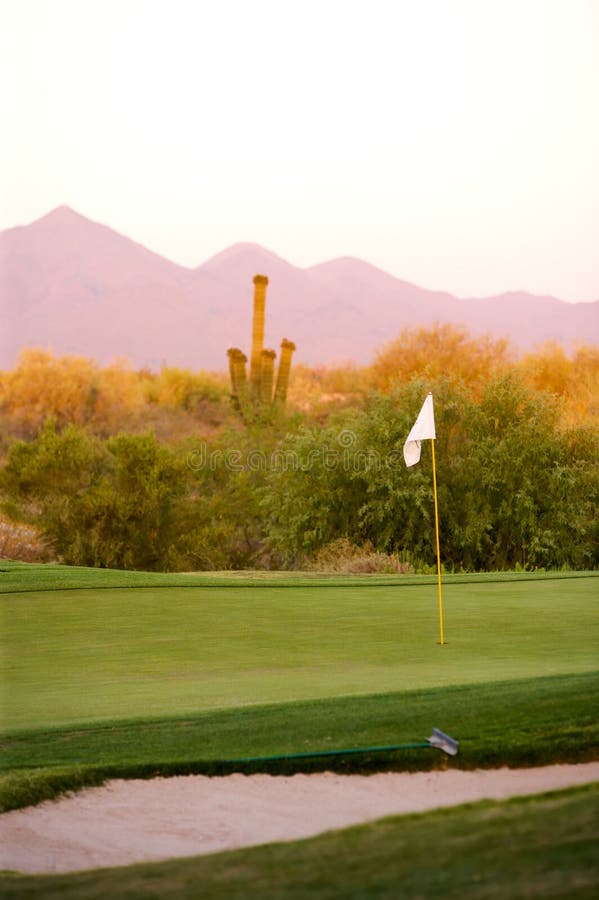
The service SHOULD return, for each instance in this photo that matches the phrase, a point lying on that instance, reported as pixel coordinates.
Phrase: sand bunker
(125, 822)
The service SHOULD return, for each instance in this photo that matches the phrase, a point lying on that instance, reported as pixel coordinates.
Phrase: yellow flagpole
(442, 639)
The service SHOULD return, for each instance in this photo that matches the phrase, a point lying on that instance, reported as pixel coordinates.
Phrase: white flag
(422, 430)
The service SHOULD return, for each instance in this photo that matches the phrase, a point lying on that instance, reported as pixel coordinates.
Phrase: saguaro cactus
(259, 391)
(237, 371)
(241, 379)
(231, 353)
(287, 348)
(267, 376)
(260, 283)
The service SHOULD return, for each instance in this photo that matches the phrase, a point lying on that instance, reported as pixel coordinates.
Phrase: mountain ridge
(73, 285)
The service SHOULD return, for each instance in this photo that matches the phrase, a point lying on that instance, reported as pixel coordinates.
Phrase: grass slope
(544, 846)
(517, 723)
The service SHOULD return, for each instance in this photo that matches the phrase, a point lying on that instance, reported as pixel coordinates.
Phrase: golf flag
(422, 430)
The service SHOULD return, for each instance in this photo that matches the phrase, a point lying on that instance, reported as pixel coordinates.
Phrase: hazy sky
(454, 143)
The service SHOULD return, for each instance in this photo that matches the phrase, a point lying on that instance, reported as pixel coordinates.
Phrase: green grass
(134, 680)
(544, 846)
(88, 655)
(136, 674)
(17, 577)
(517, 723)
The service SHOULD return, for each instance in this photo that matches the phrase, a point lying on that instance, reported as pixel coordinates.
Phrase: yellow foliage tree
(43, 385)
(120, 394)
(75, 390)
(443, 350)
(575, 379)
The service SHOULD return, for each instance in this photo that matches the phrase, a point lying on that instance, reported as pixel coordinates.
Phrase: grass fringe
(29, 787)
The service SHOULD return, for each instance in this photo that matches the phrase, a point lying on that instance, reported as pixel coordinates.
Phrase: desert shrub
(190, 391)
(343, 556)
(106, 401)
(23, 543)
(319, 391)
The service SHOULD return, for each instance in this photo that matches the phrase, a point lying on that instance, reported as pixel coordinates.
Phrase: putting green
(87, 655)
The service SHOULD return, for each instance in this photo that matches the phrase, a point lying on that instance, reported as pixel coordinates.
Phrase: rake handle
(318, 753)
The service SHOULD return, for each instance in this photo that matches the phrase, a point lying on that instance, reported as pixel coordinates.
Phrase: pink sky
(454, 144)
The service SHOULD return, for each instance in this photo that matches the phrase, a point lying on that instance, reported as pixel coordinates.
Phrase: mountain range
(72, 285)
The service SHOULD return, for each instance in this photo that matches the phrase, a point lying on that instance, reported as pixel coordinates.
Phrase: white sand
(135, 821)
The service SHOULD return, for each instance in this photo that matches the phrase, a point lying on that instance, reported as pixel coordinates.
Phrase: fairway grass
(543, 846)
